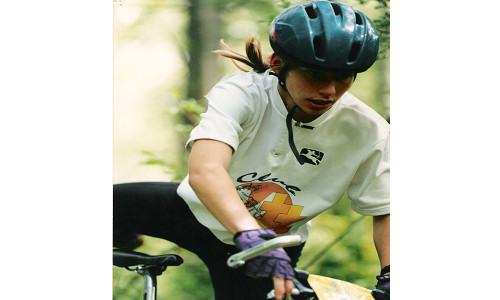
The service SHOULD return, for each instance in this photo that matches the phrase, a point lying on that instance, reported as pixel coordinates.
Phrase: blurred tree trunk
(203, 36)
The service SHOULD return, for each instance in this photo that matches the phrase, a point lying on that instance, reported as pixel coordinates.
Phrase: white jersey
(345, 149)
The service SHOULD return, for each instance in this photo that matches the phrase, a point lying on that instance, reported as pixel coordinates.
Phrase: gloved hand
(273, 263)
(382, 290)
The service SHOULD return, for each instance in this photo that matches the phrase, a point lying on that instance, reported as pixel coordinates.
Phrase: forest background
(56, 131)
(163, 66)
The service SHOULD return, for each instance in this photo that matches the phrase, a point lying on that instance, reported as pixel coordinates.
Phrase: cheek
(305, 86)
(343, 87)
(303, 90)
(298, 85)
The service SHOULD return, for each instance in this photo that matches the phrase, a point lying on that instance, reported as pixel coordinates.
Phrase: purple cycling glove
(382, 290)
(273, 263)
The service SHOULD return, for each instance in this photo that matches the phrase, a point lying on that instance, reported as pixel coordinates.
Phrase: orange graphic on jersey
(271, 205)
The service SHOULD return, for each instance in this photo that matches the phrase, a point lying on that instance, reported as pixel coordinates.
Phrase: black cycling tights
(155, 209)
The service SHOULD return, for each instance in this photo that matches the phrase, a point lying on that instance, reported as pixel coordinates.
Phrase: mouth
(320, 103)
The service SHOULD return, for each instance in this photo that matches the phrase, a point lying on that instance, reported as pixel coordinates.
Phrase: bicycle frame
(322, 287)
(307, 286)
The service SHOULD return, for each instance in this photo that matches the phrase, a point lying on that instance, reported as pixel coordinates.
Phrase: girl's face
(313, 91)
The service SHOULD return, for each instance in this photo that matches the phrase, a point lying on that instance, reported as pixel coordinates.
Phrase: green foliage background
(352, 257)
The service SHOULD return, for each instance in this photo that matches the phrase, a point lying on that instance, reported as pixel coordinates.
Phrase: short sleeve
(230, 103)
(369, 190)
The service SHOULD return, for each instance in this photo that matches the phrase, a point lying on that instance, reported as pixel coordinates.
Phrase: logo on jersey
(271, 205)
(311, 156)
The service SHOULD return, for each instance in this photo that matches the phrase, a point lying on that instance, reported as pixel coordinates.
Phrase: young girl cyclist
(277, 146)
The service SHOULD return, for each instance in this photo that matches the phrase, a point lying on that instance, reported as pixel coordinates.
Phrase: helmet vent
(310, 12)
(336, 9)
(359, 20)
(353, 54)
(318, 47)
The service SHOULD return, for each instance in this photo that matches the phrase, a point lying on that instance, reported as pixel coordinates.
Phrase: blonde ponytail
(254, 58)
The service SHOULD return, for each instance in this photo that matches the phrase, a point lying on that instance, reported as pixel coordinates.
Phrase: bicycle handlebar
(238, 259)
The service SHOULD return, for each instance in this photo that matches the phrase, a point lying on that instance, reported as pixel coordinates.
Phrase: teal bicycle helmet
(325, 35)
(322, 35)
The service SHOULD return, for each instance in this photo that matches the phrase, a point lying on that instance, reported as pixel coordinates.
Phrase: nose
(328, 89)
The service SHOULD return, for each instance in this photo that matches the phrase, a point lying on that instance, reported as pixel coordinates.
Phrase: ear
(275, 63)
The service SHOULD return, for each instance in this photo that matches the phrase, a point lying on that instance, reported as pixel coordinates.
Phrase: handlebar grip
(238, 259)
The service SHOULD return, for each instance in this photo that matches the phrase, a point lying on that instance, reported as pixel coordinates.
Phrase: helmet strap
(289, 117)
(282, 77)
(282, 82)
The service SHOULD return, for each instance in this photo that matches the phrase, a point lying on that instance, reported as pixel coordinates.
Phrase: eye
(343, 77)
(322, 76)
(314, 75)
